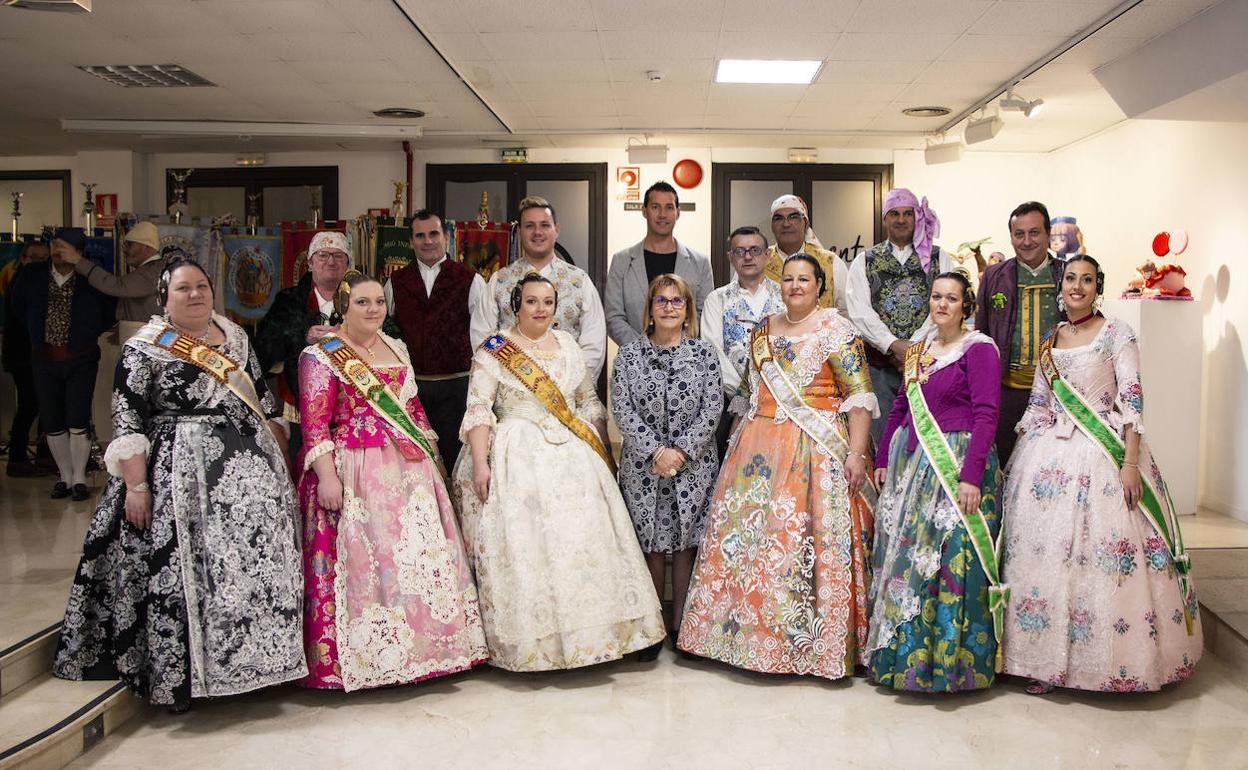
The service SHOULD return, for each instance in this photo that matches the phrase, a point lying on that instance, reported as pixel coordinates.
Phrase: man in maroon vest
(431, 300)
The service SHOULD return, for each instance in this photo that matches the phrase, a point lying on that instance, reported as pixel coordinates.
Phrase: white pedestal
(1171, 351)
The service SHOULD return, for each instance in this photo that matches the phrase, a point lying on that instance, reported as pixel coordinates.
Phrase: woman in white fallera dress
(1100, 597)
(561, 578)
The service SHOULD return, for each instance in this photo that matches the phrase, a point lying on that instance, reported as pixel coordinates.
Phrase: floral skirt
(388, 596)
(931, 630)
(780, 585)
(1096, 601)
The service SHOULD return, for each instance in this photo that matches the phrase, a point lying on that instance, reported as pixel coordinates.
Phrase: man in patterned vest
(63, 316)
(579, 311)
(431, 301)
(731, 312)
(888, 292)
(1018, 307)
(790, 223)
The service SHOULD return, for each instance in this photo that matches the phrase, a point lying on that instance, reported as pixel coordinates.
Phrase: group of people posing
(819, 454)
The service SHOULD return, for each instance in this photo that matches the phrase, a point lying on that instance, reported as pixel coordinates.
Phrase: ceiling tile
(682, 71)
(873, 46)
(1040, 18)
(652, 15)
(1017, 50)
(823, 15)
(1148, 20)
(656, 46)
(532, 46)
(775, 44)
(931, 16)
(556, 72)
(582, 122)
(554, 108)
(881, 71)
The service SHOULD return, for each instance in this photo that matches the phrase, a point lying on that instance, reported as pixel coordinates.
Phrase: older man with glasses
(299, 316)
(731, 312)
(790, 223)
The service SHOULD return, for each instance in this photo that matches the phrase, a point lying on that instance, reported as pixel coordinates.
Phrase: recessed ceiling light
(147, 75)
(800, 72)
(407, 113)
(926, 112)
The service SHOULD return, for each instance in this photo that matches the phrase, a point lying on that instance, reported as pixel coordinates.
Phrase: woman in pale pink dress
(1100, 597)
(389, 597)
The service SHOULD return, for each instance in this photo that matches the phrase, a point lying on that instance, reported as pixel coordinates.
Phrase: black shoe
(81, 492)
(178, 709)
(59, 490)
(650, 653)
(22, 469)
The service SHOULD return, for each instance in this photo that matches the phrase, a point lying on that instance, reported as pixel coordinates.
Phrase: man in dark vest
(888, 292)
(63, 317)
(1017, 307)
(431, 301)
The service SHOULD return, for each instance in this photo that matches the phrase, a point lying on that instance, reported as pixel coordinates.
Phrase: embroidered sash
(1156, 503)
(219, 366)
(946, 465)
(540, 384)
(824, 432)
(347, 364)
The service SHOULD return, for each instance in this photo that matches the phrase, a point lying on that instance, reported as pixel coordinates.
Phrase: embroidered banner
(252, 274)
(394, 247)
(483, 249)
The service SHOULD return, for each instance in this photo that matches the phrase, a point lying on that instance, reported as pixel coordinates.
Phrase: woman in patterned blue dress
(666, 396)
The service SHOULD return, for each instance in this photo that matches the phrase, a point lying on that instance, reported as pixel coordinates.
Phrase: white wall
(111, 170)
(1143, 177)
(363, 177)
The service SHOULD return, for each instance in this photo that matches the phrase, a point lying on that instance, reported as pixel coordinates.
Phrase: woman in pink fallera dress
(388, 597)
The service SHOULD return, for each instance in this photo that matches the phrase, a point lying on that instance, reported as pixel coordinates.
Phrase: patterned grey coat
(667, 397)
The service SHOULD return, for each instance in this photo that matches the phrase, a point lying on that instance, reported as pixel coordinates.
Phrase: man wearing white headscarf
(790, 223)
(889, 287)
(300, 315)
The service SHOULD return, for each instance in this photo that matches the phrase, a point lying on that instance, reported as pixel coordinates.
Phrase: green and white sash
(352, 370)
(1155, 500)
(946, 465)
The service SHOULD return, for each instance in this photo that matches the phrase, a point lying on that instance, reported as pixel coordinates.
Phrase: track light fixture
(1028, 108)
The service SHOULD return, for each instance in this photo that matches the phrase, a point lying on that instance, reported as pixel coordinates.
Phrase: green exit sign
(515, 154)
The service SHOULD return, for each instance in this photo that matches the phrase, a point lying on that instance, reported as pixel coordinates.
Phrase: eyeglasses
(330, 256)
(675, 303)
(741, 251)
(793, 217)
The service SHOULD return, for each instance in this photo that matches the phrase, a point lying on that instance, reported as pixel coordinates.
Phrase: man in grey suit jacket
(632, 270)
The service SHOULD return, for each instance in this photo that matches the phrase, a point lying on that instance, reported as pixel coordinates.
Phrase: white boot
(80, 452)
(58, 444)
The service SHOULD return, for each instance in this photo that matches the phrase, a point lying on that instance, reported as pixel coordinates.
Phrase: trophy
(315, 195)
(178, 208)
(483, 211)
(17, 211)
(88, 207)
(396, 208)
(253, 218)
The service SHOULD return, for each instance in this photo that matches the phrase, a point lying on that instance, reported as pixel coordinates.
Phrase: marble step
(27, 659)
(1225, 640)
(47, 723)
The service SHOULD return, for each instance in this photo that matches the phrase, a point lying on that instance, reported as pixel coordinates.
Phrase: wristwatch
(140, 487)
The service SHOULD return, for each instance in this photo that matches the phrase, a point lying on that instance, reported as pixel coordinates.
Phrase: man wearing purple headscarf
(888, 291)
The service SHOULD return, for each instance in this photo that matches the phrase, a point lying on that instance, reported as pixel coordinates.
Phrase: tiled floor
(668, 714)
(673, 714)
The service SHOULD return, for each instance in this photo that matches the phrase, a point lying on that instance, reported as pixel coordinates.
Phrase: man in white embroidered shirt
(731, 312)
(579, 311)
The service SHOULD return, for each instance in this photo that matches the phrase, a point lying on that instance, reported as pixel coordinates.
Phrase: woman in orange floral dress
(781, 581)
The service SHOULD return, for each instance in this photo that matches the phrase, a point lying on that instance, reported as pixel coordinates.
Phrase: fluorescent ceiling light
(233, 128)
(801, 72)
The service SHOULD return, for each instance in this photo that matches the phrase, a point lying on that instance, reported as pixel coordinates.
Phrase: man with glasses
(888, 292)
(790, 223)
(431, 301)
(301, 315)
(632, 269)
(731, 312)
